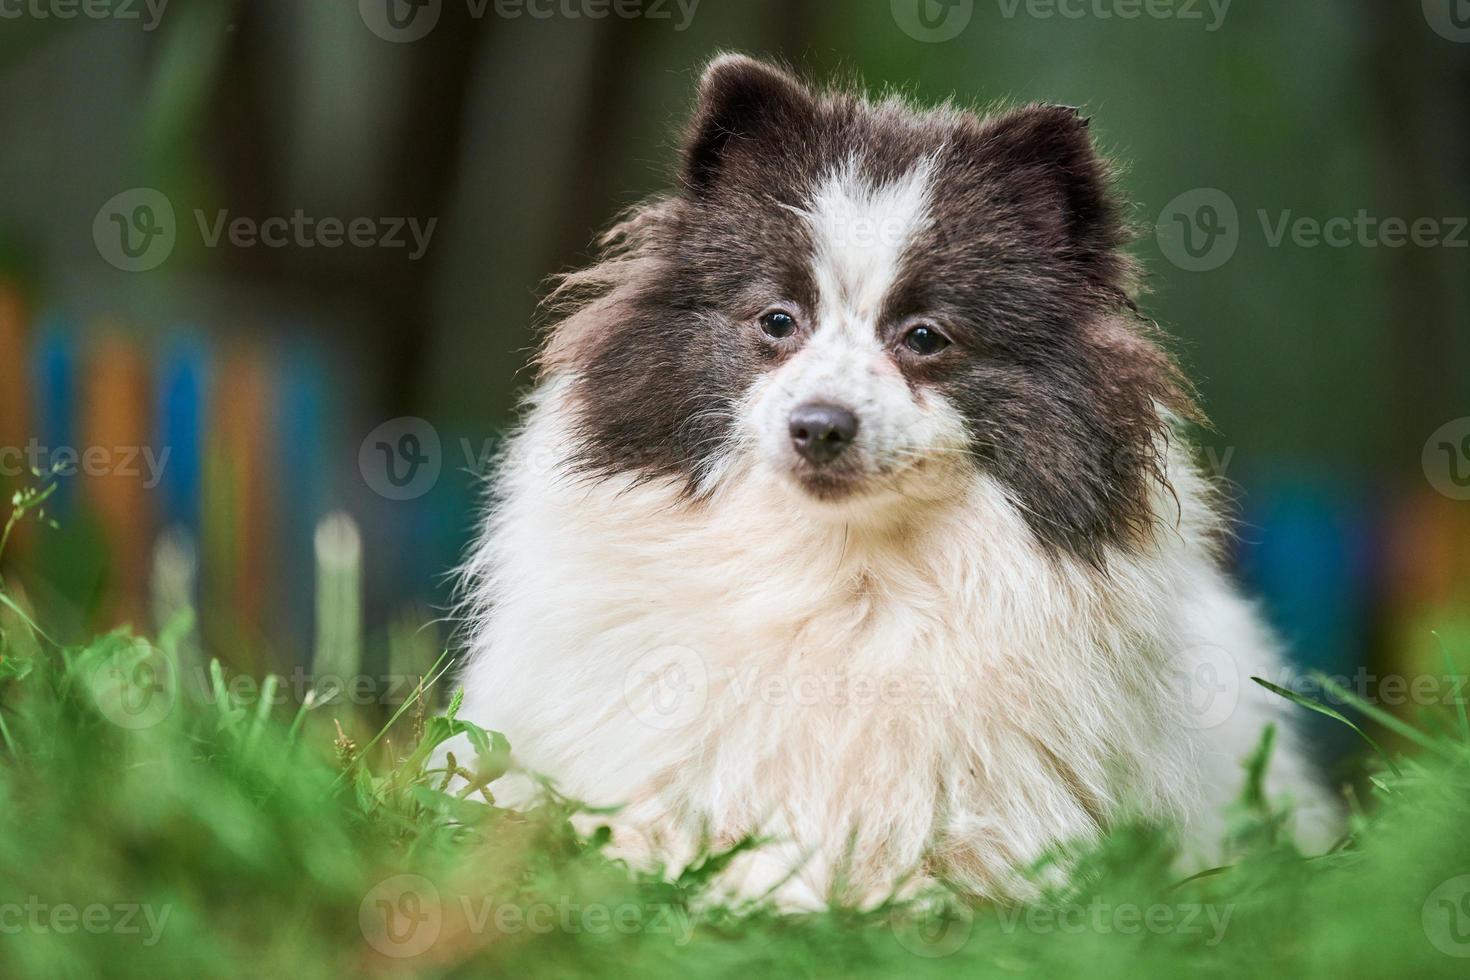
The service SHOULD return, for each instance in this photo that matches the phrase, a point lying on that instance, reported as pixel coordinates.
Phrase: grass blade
(1451, 674)
(1332, 713)
(422, 691)
(1383, 718)
(14, 607)
(262, 712)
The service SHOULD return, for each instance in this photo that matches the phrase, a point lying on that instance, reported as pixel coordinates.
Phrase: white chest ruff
(942, 693)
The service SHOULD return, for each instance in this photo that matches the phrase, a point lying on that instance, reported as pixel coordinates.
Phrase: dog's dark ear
(739, 99)
(1044, 156)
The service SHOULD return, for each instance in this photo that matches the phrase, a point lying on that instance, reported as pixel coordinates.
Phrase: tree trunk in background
(424, 139)
(784, 26)
(1417, 81)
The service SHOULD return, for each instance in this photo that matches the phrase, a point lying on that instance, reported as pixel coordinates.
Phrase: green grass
(165, 820)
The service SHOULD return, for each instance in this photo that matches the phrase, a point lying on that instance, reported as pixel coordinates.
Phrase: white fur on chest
(941, 691)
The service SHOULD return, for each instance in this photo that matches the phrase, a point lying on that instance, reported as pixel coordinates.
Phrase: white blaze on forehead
(860, 232)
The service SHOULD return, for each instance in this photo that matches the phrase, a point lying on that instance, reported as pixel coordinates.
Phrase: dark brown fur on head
(1061, 382)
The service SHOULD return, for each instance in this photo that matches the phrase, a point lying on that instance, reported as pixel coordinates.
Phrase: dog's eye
(778, 324)
(925, 340)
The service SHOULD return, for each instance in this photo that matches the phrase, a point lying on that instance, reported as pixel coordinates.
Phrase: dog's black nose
(821, 431)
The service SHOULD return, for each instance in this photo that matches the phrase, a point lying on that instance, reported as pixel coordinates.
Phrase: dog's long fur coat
(993, 624)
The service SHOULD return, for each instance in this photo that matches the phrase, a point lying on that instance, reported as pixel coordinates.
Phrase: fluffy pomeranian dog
(852, 510)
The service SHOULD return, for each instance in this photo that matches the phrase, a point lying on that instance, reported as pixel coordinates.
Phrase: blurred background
(264, 262)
